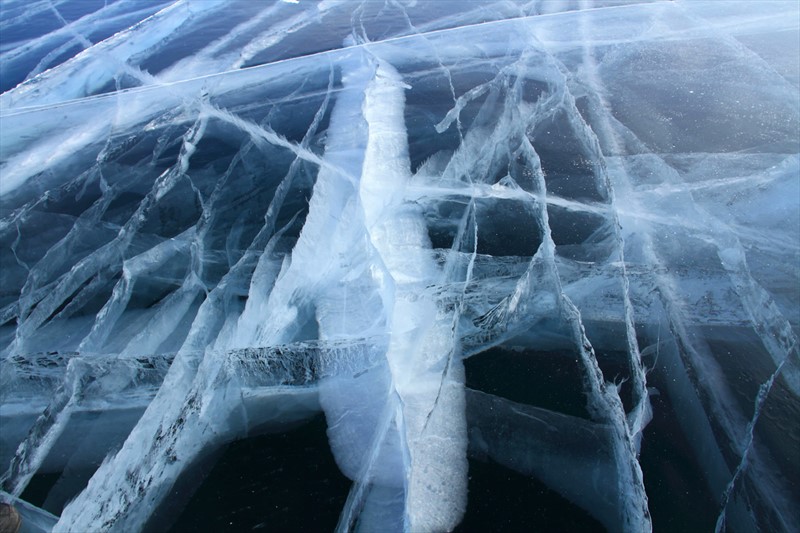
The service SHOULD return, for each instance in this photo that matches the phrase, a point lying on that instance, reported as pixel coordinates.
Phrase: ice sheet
(220, 218)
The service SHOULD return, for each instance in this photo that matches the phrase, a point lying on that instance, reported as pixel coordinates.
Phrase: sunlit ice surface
(400, 266)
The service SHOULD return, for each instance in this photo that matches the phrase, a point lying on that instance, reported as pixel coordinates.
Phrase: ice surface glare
(549, 242)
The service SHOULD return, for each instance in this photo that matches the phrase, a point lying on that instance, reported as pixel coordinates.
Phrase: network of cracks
(519, 265)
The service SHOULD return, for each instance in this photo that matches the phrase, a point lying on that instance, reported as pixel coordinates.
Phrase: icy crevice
(772, 328)
(641, 412)
(716, 396)
(110, 254)
(548, 445)
(123, 503)
(87, 384)
(603, 399)
(763, 392)
(770, 324)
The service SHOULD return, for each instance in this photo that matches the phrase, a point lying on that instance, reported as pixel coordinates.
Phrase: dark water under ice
(290, 481)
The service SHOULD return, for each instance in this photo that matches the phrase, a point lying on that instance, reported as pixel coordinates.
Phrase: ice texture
(557, 240)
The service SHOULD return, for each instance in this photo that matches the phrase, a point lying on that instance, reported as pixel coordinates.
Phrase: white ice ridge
(534, 250)
(423, 350)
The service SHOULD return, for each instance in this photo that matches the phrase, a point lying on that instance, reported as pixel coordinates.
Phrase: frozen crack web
(400, 266)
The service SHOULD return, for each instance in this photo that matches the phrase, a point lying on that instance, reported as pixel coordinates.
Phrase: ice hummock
(559, 240)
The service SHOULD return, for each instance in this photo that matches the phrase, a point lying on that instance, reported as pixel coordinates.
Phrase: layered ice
(536, 251)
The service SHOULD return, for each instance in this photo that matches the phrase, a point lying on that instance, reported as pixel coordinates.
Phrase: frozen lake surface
(400, 265)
